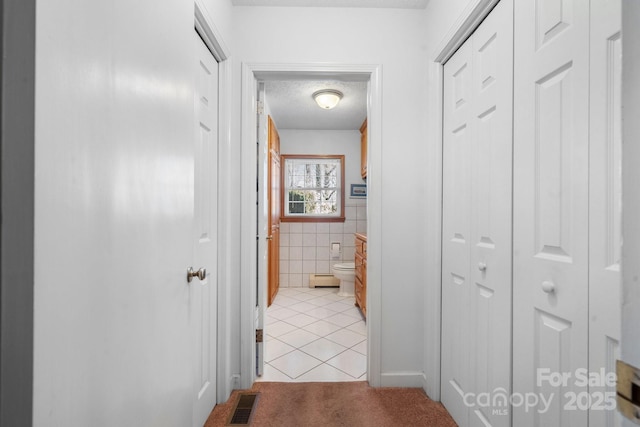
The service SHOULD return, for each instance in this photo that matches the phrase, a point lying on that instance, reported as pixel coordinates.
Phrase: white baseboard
(403, 379)
(433, 392)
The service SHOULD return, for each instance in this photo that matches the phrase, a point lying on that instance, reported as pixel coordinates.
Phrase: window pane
(296, 207)
(312, 186)
(310, 202)
(309, 180)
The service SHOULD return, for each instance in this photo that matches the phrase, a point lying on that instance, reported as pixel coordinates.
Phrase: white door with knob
(551, 209)
(203, 289)
(476, 282)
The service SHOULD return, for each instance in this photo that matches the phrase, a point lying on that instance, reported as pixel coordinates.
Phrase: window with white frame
(312, 188)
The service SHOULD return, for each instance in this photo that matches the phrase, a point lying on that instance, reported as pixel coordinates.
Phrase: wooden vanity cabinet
(361, 272)
(363, 149)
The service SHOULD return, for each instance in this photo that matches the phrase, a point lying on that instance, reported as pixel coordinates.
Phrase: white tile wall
(305, 247)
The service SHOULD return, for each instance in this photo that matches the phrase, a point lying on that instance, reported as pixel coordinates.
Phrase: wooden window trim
(310, 218)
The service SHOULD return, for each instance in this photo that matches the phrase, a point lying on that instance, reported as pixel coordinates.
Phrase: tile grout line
(289, 295)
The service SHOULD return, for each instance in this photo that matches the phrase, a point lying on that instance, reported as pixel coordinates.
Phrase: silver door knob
(200, 274)
(548, 286)
(482, 266)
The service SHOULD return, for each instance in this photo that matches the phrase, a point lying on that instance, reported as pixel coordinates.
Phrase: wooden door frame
(250, 271)
(465, 25)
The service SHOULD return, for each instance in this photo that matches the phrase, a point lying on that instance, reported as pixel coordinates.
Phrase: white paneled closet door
(456, 317)
(605, 202)
(551, 205)
(476, 282)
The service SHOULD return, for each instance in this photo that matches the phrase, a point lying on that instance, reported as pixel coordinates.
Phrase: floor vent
(243, 411)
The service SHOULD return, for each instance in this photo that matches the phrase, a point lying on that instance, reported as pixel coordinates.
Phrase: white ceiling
(290, 101)
(292, 107)
(394, 4)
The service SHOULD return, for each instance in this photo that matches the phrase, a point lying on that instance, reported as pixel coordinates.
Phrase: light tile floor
(312, 334)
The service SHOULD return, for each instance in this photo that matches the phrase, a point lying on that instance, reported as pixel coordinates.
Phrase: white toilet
(346, 272)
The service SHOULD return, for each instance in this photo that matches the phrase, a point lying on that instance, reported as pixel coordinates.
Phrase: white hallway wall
(114, 211)
(391, 38)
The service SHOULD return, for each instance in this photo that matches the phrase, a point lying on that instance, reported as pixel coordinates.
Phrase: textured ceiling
(395, 4)
(292, 106)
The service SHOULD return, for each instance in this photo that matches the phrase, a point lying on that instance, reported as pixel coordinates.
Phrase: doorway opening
(306, 247)
(314, 326)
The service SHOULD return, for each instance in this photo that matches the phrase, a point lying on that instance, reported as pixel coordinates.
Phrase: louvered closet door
(476, 282)
(551, 229)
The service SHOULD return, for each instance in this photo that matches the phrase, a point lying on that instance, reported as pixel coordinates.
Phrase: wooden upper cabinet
(363, 149)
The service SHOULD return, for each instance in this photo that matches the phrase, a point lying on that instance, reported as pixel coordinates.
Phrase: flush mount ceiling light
(327, 98)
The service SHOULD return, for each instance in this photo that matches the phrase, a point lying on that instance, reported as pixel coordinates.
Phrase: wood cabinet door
(363, 294)
(363, 149)
(274, 213)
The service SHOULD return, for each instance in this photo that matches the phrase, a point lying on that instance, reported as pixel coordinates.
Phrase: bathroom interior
(315, 323)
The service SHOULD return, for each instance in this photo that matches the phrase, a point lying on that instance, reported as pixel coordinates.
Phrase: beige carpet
(349, 404)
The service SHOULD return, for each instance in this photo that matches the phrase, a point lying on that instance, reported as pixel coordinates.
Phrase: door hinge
(628, 389)
(260, 107)
(258, 335)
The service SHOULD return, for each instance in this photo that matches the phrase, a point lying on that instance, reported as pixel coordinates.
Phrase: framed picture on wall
(358, 191)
